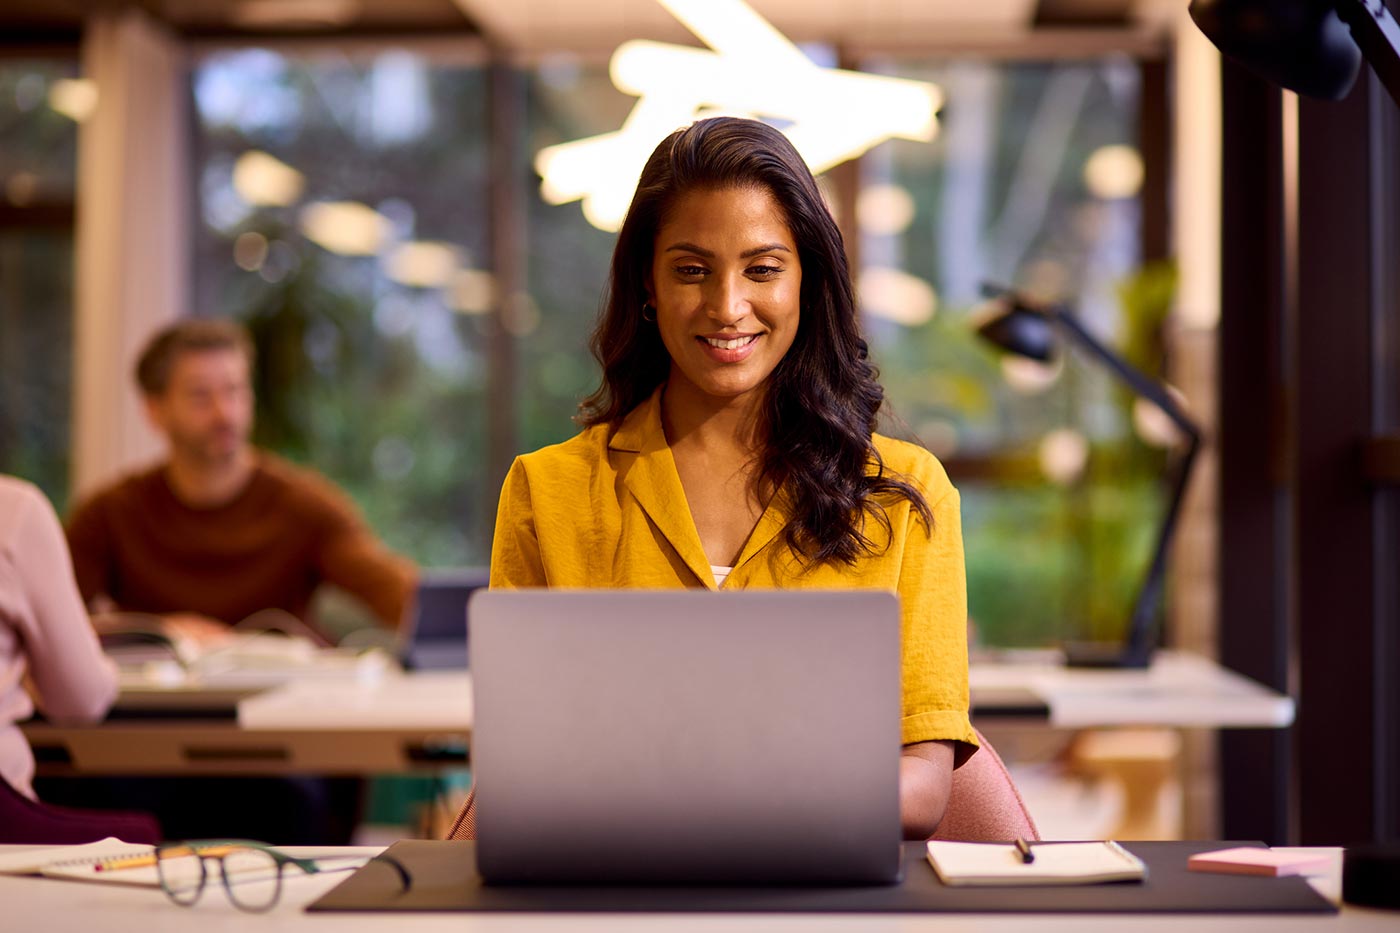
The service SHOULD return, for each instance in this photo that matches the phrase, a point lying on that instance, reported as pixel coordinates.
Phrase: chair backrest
(984, 805)
(29, 822)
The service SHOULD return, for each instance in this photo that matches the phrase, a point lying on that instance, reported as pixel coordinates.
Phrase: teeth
(734, 344)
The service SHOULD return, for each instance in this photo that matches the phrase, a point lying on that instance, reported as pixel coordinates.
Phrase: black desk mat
(445, 879)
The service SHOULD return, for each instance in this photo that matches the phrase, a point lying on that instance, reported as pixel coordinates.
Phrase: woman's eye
(765, 271)
(691, 270)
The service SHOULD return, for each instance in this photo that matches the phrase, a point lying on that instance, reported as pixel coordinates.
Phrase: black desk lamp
(1029, 330)
(1303, 45)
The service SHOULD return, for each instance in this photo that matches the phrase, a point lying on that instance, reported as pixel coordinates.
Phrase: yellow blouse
(607, 509)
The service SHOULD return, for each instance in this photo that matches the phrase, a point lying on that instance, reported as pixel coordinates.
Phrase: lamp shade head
(1021, 330)
(1302, 45)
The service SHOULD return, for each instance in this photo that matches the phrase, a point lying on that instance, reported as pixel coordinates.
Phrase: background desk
(1179, 690)
(401, 724)
(418, 722)
(46, 904)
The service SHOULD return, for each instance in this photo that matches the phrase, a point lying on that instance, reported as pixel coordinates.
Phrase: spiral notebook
(108, 860)
(980, 863)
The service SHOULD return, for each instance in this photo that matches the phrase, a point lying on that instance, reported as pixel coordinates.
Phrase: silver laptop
(686, 736)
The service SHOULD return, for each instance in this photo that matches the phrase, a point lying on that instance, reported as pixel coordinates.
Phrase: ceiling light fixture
(750, 70)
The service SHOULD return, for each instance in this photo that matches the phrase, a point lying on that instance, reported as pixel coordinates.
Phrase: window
(374, 356)
(343, 218)
(37, 155)
(1030, 183)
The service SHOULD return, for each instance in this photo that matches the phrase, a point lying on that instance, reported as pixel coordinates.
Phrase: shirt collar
(656, 485)
(641, 429)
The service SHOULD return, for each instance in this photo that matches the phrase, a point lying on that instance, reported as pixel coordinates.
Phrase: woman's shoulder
(913, 462)
(579, 456)
(22, 504)
(18, 498)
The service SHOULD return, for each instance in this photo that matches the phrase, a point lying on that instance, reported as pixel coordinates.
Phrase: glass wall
(568, 257)
(38, 143)
(344, 214)
(1032, 182)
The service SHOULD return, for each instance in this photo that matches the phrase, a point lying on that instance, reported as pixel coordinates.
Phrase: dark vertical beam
(1387, 421)
(845, 186)
(1339, 635)
(1254, 596)
(509, 162)
(1154, 142)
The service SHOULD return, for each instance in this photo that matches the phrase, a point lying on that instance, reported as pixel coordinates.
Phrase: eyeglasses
(251, 871)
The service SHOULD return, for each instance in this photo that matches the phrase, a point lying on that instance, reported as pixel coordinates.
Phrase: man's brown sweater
(269, 548)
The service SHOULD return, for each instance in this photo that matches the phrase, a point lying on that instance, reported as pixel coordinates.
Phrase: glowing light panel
(750, 70)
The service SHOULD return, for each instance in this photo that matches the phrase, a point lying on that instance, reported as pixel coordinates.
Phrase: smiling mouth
(729, 343)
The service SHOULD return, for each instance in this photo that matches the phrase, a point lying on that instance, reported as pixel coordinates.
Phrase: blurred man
(217, 532)
(222, 530)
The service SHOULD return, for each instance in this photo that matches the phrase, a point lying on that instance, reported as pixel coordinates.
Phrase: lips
(727, 348)
(730, 343)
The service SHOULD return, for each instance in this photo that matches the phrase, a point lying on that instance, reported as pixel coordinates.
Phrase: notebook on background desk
(686, 736)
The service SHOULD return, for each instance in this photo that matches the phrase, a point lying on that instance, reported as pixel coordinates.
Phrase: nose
(226, 406)
(728, 301)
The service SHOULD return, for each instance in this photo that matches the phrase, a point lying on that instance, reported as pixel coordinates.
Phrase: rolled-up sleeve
(933, 597)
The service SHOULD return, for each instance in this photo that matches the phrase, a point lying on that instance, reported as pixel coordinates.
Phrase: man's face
(206, 411)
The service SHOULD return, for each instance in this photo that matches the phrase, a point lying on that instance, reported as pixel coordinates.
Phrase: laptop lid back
(686, 736)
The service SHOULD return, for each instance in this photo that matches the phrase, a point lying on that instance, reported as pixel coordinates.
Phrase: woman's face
(725, 282)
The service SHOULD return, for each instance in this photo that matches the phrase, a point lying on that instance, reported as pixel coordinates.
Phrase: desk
(1180, 690)
(415, 722)
(45, 904)
(400, 724)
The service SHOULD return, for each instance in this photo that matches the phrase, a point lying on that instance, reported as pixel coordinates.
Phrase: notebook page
(959, 863)
(33, 861)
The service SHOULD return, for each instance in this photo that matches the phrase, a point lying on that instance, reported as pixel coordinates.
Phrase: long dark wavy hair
(822, 399)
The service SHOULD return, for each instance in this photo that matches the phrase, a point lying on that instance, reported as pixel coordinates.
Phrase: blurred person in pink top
(45, 635)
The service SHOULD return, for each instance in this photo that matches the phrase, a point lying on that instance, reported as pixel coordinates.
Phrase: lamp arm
(1138, 647)
(1375, 30)
(1139, 644)
(1136, 380)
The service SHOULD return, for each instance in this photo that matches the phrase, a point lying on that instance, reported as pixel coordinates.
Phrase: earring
(649, 318)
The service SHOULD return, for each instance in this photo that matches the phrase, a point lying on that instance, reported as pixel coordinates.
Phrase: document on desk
(112, 861)
(95, 861)
(982, 863)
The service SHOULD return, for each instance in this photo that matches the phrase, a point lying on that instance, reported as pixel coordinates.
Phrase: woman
(44, 631)
(731, 443)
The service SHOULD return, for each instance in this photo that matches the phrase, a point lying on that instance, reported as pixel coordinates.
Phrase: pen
(1024, 847)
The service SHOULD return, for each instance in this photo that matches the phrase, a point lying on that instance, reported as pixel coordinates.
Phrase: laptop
(686, 737)
(436, 638)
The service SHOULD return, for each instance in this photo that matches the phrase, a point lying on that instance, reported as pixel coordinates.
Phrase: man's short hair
(192, 335)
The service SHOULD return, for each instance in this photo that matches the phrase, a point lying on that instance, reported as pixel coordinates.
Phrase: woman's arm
(925, 778)
(74, 680)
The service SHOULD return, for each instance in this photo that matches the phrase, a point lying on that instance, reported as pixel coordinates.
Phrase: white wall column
(132, 254)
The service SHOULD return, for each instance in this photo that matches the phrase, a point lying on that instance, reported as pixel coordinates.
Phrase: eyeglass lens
(181, 873)
(252, 878)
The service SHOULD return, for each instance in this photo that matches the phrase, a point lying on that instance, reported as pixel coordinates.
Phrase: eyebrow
(708, 254)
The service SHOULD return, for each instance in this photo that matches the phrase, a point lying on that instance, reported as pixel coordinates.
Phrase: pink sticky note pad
(1250, 861)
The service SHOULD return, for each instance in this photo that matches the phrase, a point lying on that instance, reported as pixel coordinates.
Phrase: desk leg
(1143, 763)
